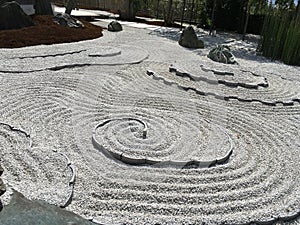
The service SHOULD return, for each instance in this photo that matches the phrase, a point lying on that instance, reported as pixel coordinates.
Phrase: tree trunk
(43, 7)
(157, 9)
(169, 13)
(247, 20)
(70, 6)
(213, 17)
(130, 11)
(182, 14)
(192, 11)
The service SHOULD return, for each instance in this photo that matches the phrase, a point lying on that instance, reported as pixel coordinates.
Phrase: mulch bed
(45, 31)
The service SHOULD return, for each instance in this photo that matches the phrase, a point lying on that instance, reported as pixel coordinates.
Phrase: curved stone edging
(146, 161)
(123, 55)
(219, 81)
(50, 55)
(2, 187)
(69, 163)
(279, 219)
(217, 96)
(12, 128)
(72, 180)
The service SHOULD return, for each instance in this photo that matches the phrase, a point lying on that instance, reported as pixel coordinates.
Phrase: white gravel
(59, 93)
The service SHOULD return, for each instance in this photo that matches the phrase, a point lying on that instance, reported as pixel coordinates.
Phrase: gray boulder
(115, 26)
(12, 16)
(189, 39)
(67, 21)
(222, 54)
(23, 211)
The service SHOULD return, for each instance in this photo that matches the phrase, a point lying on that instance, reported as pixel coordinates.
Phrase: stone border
(69, 163)
(219, 81)
(156, 76)
(12, 128)
(121, 55)
(2, 187)
(72, 180)
(148, 161)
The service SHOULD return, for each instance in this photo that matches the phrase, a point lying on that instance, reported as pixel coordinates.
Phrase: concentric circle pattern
(124, 124)
(164, 140)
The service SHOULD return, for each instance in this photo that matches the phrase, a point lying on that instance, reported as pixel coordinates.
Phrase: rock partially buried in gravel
(222, 54)
(1, 170)
(115, 26)
(26, 212)
(12, 16)
(189, 39)
(67, 21)
(2, 187)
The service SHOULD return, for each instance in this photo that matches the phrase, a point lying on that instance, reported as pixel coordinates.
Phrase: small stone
(115, 26)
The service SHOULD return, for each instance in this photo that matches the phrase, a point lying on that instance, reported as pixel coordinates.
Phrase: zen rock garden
(151, 125)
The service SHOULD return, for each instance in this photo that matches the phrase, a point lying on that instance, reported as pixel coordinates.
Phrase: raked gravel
(58, 94)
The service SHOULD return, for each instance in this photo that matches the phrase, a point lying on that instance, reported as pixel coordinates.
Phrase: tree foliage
(43, 7)
(281, 35)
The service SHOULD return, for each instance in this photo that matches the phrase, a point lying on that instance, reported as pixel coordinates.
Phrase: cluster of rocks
(67, 21)
(12, 16)
(2, 187)
(222, 54)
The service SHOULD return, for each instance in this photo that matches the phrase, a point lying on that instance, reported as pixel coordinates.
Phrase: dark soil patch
(45, 31)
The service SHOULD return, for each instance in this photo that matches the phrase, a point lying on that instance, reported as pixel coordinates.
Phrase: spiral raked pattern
(164, 141)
